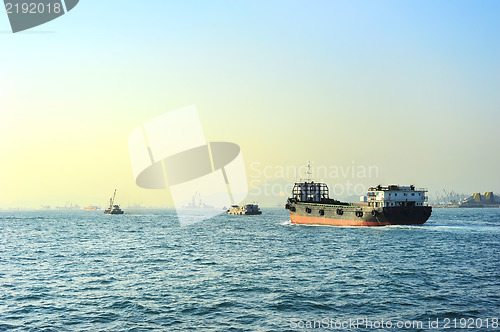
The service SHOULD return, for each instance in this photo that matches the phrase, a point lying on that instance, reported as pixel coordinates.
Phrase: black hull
(113, 212)
(357, 215)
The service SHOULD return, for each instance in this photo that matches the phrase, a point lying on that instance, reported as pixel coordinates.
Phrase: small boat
(113, 208)
(249, 209)
(92, 208)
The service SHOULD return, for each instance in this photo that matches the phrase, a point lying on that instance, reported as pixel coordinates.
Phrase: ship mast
(308, 173)
(112, 200)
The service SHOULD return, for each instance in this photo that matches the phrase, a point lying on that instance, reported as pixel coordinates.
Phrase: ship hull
(113, 212)
(357, 215)
(245, 213)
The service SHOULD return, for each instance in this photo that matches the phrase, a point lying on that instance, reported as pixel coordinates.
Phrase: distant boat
(249, 209)
(92, 207)
(68, 207)
(113, 208)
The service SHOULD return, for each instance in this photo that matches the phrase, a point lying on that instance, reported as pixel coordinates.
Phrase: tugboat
(113, 208)
(392, 205)
(249, 209)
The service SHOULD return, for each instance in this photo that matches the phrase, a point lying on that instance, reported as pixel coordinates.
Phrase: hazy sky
(410, 87)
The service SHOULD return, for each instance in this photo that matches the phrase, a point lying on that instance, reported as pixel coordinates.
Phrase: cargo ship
(391, 205)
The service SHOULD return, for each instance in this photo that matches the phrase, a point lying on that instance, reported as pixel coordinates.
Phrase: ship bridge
(394, 195)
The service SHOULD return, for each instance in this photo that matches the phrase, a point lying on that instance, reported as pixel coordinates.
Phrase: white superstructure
(394, 195)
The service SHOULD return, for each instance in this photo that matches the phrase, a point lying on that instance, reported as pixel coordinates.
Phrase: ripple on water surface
(82, 270)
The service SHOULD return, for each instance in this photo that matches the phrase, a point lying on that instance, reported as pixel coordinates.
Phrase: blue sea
(86, 271)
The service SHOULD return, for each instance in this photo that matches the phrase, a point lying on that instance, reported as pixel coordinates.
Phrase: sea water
(86, 271)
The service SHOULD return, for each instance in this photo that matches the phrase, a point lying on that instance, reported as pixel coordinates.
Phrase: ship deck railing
(326, 204)
(398, 189)
(351, 205)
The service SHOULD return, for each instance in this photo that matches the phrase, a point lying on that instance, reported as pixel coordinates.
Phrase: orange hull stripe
(296, 219)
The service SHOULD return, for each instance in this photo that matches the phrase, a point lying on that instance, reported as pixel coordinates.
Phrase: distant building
(488, 199)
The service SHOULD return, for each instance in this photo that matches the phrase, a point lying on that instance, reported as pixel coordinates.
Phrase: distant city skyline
(410, 88)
